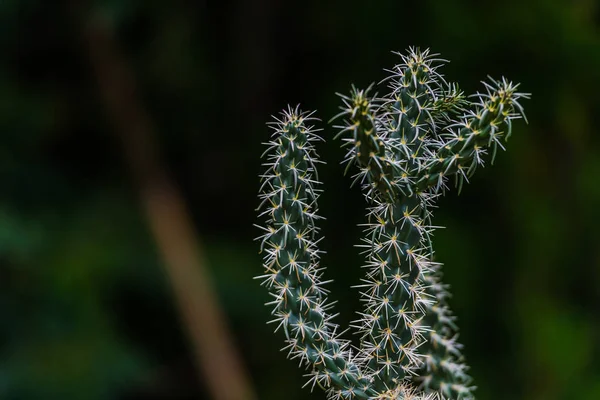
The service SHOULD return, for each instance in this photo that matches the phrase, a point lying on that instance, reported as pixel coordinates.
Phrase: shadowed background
(129, 161)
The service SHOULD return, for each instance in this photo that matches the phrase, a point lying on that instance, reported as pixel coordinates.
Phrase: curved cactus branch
(465, 142)
(293, 275)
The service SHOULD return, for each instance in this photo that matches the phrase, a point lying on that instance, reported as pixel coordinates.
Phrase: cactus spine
(405, 145)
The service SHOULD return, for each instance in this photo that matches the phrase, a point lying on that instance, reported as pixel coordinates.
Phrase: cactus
(405, 146)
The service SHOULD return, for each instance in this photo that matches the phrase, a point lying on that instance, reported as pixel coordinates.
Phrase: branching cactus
(405, 146)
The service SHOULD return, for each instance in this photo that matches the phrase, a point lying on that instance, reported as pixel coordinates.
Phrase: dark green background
(86, 311)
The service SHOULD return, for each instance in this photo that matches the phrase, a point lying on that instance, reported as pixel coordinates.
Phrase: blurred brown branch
(167, 216)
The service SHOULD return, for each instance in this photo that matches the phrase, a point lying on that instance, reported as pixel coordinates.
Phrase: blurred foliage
(86, 310)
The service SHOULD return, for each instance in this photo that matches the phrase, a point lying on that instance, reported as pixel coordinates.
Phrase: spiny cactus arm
(467, 141)
(393, 290)
(444, 370)
(416, 97)
(396, 255)
(396, 240)
(292, 271)
(378, 171)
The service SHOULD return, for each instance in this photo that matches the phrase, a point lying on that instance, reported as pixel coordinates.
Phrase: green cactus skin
(406, 145)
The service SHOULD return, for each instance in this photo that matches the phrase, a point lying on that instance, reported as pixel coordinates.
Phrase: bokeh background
(129, 154)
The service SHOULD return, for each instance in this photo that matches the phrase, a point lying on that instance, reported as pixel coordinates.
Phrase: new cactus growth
(405, 146)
